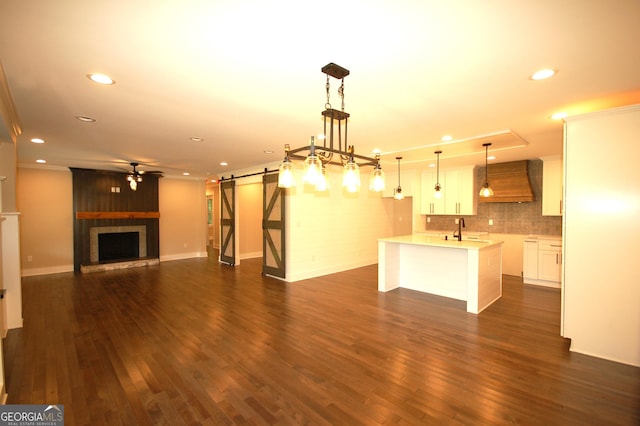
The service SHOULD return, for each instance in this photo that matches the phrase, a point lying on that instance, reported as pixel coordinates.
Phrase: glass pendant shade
(133, 184)
(397, 193)
(312, 169)
(376, 182)
(323, 183)
(486, 190)
(285, 174)
(437, 193)
(351, 177)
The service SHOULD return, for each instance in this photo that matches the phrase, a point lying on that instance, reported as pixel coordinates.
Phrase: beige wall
(250, 219)
(213, 230)
(8, 170)
(183, 218)
(45, 203)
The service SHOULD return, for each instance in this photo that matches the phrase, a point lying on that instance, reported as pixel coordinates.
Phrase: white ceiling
(245, 76)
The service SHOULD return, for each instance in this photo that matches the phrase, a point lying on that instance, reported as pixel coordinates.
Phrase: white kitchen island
(463, 270)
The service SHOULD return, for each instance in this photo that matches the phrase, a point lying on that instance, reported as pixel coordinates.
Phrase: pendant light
(437, 193)
(285, 171)
(486, 190)
(376, 182)
(312, 165)
(351, 173)
(397, 192)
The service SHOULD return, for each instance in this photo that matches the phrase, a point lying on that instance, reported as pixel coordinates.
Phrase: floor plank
(197, 342)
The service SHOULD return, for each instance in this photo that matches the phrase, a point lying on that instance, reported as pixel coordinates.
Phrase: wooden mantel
(117, 215)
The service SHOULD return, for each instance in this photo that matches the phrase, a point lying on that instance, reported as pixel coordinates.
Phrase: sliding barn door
(227, 222)
(273, 235)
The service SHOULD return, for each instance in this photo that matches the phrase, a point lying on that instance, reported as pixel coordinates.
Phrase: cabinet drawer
(550, 245)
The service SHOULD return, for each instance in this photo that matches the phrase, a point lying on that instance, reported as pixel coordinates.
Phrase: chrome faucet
(460, 226)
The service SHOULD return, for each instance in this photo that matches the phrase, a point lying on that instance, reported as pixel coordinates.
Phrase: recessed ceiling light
(41, 161)
(197, 139)
(224, 163)
(491, 157)
(542, 74)
(185, 174)
(559, 115)
(100, 78)
(446, 138)
(37, 140)
(432, 165)
(85, 119)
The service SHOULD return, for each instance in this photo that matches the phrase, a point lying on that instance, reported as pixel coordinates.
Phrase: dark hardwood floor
(196, 342)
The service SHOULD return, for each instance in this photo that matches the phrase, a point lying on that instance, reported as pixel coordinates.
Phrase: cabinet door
(552, 186)
(428, 203)
(459, 191)
(549, 262)
(530, 260)
(406, 182)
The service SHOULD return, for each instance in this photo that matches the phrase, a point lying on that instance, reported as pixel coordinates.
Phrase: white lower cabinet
(458, 192)
(542, 261)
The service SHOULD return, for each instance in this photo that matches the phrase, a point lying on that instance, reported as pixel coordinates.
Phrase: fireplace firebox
(115, 246)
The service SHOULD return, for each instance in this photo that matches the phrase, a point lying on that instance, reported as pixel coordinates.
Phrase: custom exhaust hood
(510, 183)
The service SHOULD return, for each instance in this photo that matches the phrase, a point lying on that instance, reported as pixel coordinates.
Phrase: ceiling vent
(510, 183)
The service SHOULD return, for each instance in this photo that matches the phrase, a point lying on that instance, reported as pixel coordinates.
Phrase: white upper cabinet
(407, 178)
(459, 195)
(428, 203)
(552, 186)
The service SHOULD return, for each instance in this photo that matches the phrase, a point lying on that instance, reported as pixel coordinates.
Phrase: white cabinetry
(552, 186)
(407, 178)
(530, 260)
(549, 260)
(542, 261)
(428, 203)
(458, 192)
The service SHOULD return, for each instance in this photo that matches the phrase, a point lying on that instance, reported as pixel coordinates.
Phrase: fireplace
(117, 243)
(115, 246)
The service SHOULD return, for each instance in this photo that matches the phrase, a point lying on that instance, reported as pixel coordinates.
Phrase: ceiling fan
(135, 176)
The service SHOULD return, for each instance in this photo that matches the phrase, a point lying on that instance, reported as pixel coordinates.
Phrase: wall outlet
(490, 222)
(456, 221)
(428, 220)
(29, 258)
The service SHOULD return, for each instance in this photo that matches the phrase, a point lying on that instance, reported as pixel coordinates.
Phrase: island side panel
(489, 276)
(388, 266)
(436, 270)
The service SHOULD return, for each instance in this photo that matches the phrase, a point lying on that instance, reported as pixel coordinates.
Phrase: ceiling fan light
(133, 184)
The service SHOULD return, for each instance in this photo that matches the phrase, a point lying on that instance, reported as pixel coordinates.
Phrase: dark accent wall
(508, 218)
(96, 191)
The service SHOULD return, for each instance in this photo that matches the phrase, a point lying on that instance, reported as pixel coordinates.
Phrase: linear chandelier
(332, 149)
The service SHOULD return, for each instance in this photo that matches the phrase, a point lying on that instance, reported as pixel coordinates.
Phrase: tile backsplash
(508, 218)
